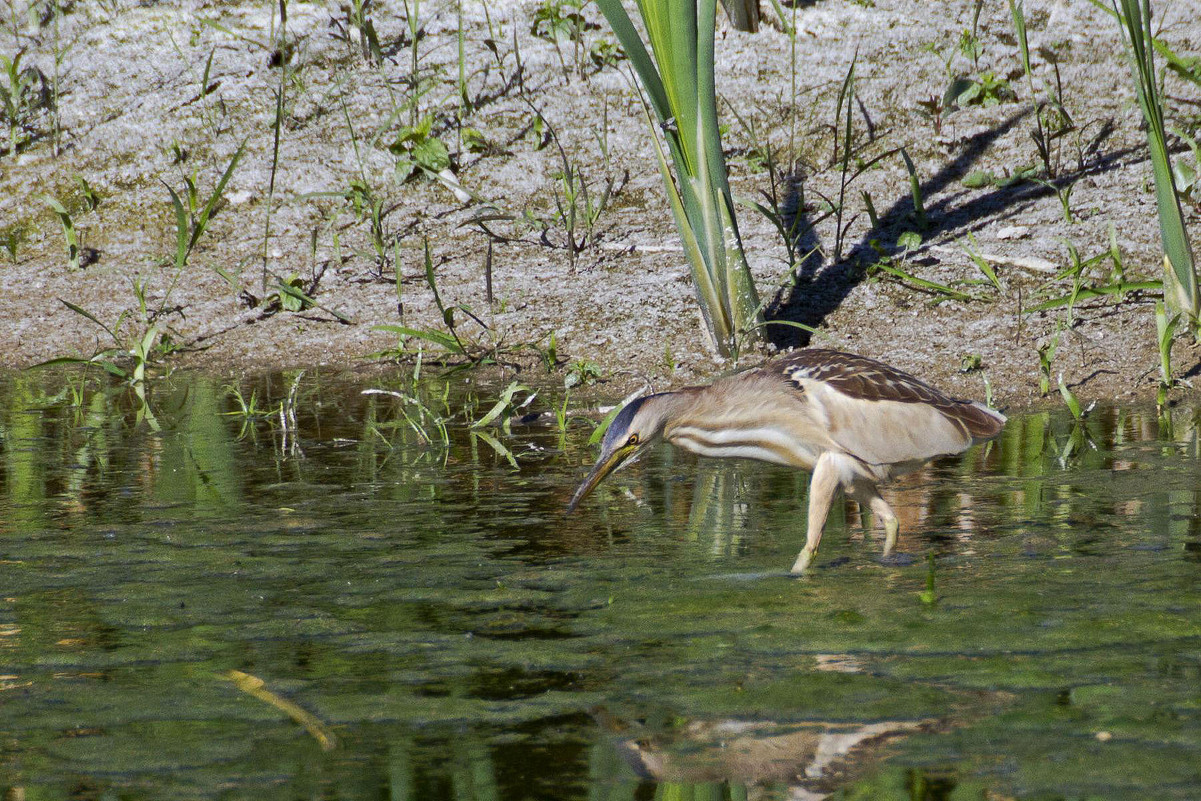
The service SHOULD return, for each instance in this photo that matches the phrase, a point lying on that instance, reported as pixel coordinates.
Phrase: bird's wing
(882, 415)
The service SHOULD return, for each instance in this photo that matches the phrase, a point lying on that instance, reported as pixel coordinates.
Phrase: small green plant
(784, 207)
(1063, 191)
(937, 108)
(1046, 358)
(366, 205)
(419, 152)
(575, 204)
(549, 354)
(1117, 270)
(578, 206)
(870, 207)
(561, 418)
(941, 292)
(248, 409)
(191, 222)
(915, 191)
(978, 179)
(581, 373)
(451, 345)
(91, 200)
(413, 22)
(12, 237)
(23, 92)
(983, 88)
(573, 188)
(452, 342)
(605, 53)
(909, 241)
(1165, 329)
(973, 251)
(1052, 123)
(848, 158)
(473, 141)
(891, 265)
(1071, 401)
(1186, 67)
(757, 153)
(69, 235)
(1079, 270)
(205, 88)
(1017, 13)
(292, 296)
(130, 356)
(558, 21)
(1188, 176)
(358, 19)
(1079, 436)
(986, 89)
(502, 413)
(504, 408)
(542, 136)
(363, 201)
(933, 109)
(970, 46)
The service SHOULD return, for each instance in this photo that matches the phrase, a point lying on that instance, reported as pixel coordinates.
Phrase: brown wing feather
(867, 379)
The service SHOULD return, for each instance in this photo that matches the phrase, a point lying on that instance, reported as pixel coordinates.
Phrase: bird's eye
(633, 440)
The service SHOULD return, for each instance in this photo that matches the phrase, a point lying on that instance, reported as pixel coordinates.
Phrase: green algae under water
(457, 637)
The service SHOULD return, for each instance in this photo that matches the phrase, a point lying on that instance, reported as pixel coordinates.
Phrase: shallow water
(427, 624)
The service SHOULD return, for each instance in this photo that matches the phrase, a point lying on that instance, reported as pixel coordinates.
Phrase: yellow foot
(891, 528)
(802, 561)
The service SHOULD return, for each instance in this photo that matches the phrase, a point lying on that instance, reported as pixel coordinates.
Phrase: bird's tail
(980, 421)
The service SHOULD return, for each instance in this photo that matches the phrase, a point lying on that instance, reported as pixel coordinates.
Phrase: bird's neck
(684, 408)
(725, 422)
(669, 407)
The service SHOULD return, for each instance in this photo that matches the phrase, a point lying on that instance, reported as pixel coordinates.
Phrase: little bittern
(853, 421)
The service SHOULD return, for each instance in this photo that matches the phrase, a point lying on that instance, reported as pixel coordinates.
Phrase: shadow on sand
(821, 288)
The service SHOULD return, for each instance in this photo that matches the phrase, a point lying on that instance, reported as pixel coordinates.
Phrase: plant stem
(277, 125)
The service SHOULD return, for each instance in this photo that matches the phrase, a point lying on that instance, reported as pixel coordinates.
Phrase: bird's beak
(604, 466)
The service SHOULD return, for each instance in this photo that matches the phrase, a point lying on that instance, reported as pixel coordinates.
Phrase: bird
(852, 421)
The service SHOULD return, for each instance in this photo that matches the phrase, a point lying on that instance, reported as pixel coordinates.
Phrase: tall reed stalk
(677, 75)
(1180, 274)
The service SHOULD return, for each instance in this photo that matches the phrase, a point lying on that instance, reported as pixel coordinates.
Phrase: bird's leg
(869, 494)
(825, 482)
(881, 508)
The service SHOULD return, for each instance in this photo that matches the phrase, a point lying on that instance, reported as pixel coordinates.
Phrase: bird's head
(634, 430)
